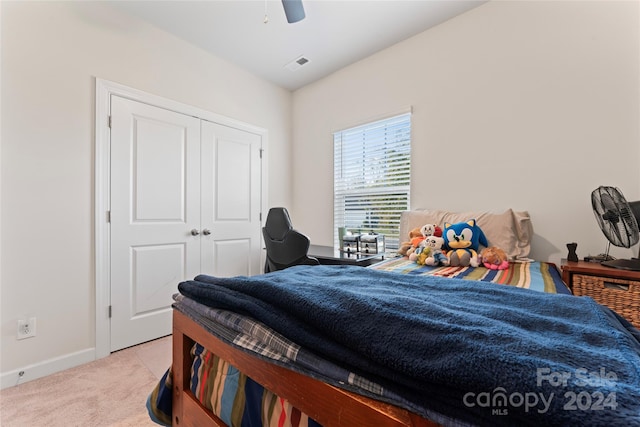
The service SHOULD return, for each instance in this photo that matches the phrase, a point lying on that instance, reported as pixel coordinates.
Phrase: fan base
(623, 264)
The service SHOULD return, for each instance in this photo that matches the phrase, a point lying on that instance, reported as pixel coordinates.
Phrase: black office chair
(285, 246)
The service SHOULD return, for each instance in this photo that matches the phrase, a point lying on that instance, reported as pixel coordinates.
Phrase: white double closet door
(185, 200)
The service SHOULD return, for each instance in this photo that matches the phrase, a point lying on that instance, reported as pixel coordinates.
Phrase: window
(371, 177)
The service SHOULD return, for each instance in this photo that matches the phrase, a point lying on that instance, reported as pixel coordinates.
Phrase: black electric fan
(618, 220)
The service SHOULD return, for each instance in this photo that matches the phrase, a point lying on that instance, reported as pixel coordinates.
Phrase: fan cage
(615, 216)
(628, 213)
(632, 263)
(635, 210)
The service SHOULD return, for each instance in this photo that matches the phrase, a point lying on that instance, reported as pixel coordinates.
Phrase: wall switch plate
(26, 328)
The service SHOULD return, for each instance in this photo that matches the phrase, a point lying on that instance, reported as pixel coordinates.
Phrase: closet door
(155, 205)
(231, 170)
(185, 199)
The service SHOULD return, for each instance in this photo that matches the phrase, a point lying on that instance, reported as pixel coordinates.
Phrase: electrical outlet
(26, 328)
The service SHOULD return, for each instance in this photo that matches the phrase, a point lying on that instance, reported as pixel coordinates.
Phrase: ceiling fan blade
(294, 10)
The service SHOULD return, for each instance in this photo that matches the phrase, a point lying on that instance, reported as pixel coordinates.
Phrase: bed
(278, 349)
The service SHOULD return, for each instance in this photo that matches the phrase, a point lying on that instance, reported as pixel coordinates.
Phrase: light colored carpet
(108, 392)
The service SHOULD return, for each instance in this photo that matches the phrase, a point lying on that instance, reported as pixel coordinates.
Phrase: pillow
(510, 231)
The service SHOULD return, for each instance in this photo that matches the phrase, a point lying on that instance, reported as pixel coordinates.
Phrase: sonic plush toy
(463, 240)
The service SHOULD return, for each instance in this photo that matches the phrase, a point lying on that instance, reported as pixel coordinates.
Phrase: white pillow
(510, 231)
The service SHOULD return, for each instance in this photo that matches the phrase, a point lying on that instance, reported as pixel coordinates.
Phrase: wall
(51, 54)
(522, 104)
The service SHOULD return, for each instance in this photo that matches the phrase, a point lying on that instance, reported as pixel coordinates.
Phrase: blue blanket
(482, 353)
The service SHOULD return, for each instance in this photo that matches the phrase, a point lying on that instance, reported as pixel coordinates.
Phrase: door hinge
(109, 312)
(109, 121)
(109, 216)
(260, 216)
(261, 150)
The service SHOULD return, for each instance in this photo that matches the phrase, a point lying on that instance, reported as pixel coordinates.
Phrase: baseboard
(47, 367)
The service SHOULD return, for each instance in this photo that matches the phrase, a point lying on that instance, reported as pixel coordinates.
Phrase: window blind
(372, 171)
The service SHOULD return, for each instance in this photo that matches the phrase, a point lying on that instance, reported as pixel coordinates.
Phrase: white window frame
(372, 162)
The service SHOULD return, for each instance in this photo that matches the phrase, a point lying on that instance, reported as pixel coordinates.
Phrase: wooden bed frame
(328, 405)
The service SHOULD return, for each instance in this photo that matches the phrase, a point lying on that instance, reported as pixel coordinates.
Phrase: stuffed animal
(431, 230)
(494, 258)
(424, 254)
(462, 241)
(436, 256)
(420, 253)
(416, 236)
(417, 243)
(406, 246)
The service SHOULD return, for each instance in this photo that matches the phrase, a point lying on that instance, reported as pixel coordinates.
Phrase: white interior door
(149, 198)
(230, 201)
(155, 203)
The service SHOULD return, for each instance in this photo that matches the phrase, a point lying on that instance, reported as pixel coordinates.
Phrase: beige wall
(51, 54)
(522, 104)
(529, 105)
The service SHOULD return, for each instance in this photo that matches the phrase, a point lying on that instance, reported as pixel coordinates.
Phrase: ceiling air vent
(297, 63)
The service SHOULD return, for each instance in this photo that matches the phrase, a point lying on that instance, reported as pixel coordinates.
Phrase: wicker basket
(622, 296)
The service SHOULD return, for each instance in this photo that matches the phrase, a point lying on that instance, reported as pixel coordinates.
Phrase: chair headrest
(278, 223)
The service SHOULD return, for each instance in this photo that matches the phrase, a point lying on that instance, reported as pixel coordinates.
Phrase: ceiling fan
(294, 10)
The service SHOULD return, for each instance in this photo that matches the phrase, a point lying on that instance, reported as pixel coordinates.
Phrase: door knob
(194, 232)
(206, 231)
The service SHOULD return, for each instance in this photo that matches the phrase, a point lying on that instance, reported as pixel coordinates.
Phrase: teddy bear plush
(436, 255)
(406, 246)
(416, 244)
(462, 242)
(494, 258)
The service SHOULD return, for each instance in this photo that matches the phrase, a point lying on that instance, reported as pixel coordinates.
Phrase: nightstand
(616, 288)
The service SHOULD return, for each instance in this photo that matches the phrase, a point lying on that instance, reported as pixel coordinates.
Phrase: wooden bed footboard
(328, 405)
